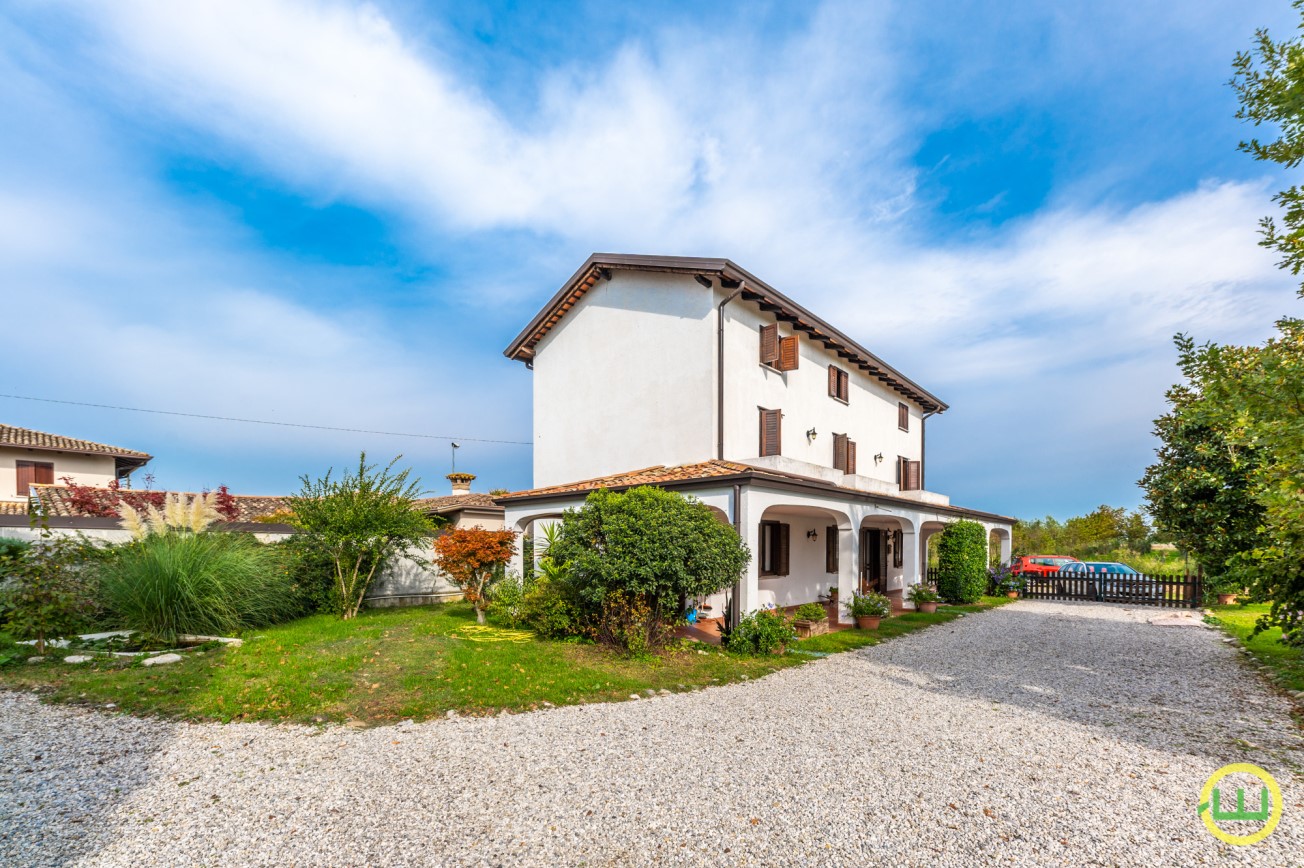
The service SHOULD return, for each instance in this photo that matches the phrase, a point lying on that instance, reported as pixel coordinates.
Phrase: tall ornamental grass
(169, 584)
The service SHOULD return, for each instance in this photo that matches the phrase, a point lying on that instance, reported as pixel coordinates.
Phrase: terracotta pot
(927, 608)
(867, 623)
(1013, 595)
(1226, 599)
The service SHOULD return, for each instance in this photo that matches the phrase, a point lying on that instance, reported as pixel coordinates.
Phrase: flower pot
(867, 623)
(1013, 595)
(927, 608)
(1226, 599)
(805, 629)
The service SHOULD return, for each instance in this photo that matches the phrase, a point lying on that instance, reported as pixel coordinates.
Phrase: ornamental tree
(361, 521)
(474, 559)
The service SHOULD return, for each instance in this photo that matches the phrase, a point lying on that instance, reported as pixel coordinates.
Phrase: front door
(873, 561)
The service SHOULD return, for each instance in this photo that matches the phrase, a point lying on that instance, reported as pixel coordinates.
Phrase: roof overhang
(599, 266)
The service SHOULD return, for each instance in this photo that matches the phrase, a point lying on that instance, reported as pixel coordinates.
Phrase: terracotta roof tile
(647, 476)
(13, 507)
(454, 502)
(56, 502)
(27, 438)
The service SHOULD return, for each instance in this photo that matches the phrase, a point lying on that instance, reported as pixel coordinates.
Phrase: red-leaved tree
(473, 558)
(104, 502)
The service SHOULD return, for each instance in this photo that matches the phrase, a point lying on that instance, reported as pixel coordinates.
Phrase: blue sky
(338, 213)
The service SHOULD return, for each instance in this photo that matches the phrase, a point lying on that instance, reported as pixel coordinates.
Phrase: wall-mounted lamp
(811, 435)
(878, 459)
(812, 535)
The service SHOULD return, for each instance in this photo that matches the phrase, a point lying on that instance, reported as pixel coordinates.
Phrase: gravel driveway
(1037, 734)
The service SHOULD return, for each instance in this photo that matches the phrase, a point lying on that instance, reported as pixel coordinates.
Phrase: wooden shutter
(831, 549)
(901, 471)
(844, 385)
(26, 476)
(781, 551)
(771, 432)
(769, 344)
(910, 477)
(840, 452)
(903, 417)
(833, 382)
(788, 356)
(851, 457)
(897, 544)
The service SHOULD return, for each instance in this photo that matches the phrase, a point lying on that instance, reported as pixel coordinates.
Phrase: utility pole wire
(264, 421)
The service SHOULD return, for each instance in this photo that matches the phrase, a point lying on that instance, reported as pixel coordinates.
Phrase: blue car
(1115, 582)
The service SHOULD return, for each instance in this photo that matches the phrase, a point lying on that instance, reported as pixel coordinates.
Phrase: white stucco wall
(626, 380)
(869, 417)
(408, 581)
(97, 470)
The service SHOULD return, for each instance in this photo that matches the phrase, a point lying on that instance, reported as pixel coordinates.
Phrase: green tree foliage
(1251, 401)
(1269, 80)
(361, 521)
(649, 543)
(213, 583)
(49, 591)
(1105, 529)
(962, 562)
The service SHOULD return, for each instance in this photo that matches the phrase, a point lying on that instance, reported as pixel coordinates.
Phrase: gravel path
(1037, 734)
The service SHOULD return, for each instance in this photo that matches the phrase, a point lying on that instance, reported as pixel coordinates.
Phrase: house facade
(30, 458)
(697, 376)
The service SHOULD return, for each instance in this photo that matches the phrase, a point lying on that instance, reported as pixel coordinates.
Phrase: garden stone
(634, 696)
(161, 660)
(649, 692)
(35, 659)
(78, 658)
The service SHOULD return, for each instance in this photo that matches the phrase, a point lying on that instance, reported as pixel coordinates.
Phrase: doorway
(873, 560)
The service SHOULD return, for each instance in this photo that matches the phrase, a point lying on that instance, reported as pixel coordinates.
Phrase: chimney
(461, 482)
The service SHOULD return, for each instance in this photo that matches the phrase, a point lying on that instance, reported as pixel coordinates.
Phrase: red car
(1040, 565)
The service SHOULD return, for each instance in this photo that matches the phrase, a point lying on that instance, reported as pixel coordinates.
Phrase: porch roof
(718, 472)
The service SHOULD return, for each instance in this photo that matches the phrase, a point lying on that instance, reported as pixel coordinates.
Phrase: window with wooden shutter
(831, 549)
(900, 470)
(774, 557)
(903, 417)
(31, 473)
(771, 432)
(840, 442)
(769, 345)
(897, 546)
(788, 356)
(839, 385)
(851, 457)
(909, 475)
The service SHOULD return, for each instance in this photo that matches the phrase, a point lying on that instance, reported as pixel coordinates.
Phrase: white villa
(694, 375)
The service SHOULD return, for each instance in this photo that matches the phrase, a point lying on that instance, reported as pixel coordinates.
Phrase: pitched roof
(670, 477)
(56, 501)
(29, 439)
(600, 265)
(461, 500)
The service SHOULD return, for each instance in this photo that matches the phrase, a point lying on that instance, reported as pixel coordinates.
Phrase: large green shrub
(962, 562)
(209, 583)
(655, 545)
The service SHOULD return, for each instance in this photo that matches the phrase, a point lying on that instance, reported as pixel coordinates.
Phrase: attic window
(31, 473)
(839, 383)
(903, 417)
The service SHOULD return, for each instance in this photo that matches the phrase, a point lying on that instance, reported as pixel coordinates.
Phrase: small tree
(962, 562)
(474, 559)
(650, 543)
(362, 520)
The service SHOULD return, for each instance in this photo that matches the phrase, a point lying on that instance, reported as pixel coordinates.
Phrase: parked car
(1039, 565)
(1115, 582)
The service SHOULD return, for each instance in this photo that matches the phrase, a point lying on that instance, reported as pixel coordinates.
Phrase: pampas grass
(169, 584)
(179, 514)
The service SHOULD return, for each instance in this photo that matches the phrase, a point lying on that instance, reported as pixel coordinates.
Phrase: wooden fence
(1174, 592)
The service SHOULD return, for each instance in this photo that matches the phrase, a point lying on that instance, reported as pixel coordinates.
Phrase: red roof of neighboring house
(56, 501)
(455, 502)
(29, 439)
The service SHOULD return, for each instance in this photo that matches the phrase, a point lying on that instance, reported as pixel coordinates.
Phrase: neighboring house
(412, 582)
(30, 458)
(696, 376)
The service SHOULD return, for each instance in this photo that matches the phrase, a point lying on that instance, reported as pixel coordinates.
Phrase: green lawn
(1285, 661)
(393, 664)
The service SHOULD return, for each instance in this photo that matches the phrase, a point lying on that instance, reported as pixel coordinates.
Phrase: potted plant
(1226, 588)
(810, 619)
(1013, 585)
(869, 609)
(925, 599)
